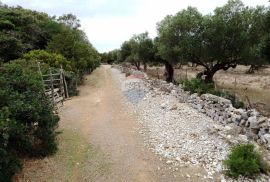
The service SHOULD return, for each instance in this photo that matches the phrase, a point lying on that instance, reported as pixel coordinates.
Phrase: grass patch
(76, 160)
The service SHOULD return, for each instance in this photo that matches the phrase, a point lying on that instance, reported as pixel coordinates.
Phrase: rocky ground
(177, 132)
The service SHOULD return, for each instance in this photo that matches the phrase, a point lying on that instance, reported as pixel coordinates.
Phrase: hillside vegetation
(28, 122)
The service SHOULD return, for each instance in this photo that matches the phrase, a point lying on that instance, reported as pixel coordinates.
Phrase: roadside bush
(244, 160)
(9, 162)
(228, 95)
(196, 85)
(51, 59)
(27, 121)
(72, 81)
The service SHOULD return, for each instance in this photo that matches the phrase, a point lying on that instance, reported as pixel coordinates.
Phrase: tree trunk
(144, 67)
(138, 65)
(253, 68)
(206, 75)
(169, 72)
(209, 72)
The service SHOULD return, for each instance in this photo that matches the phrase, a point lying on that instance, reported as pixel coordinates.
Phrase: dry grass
(254, 86)
(76, 160)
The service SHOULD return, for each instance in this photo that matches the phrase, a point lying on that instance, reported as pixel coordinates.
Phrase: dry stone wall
(253, 124)
(249, 125)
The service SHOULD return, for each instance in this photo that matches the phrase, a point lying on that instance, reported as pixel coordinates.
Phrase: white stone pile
(173, 127)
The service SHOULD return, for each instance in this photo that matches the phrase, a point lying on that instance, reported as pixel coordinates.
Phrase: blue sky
(108, 23)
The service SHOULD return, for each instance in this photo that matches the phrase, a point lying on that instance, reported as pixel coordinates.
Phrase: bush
(27, 121)
(244, 160)
(196, 85)
(9, 162)
(228, 95)
(51, 59)
(72, 81)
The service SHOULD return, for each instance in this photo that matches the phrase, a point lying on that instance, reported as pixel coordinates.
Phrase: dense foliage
(24, 30)
(111, 57)
(244, 160)
(231, 36)
(27, 121)
(51, 59)
(139, 49)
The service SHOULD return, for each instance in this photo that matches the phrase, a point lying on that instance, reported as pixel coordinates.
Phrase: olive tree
(167, 45)
(144, 48)
(220, 41)
(129, 53)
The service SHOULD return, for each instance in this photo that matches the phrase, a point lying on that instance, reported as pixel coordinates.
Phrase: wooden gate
(55, 86)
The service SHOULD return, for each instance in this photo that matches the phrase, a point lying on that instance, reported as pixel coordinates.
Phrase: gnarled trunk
(169, 72)
(208, 74)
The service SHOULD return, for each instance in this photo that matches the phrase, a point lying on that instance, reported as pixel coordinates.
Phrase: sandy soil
(100, 142)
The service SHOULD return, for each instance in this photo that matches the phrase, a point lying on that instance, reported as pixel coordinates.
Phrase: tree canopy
(25, 30)
(233, 34)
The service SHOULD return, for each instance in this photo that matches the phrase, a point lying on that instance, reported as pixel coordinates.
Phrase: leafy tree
(257, 33)
(129, 53)
(214, 41)
(167, 45)
(111, 57)
(144, 48)
(265, 49)
(22, 30)
(225, 39)
(138, 49)
(232, 35)
(70, 20)
(75, 47)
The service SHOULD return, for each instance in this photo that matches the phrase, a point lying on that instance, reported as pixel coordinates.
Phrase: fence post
(65, 83)
(52, 88)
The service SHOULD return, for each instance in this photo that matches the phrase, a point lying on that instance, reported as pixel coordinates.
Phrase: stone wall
(249, 124)
(254, 125)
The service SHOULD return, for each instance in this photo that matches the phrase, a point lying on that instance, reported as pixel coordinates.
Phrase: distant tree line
(234, 34)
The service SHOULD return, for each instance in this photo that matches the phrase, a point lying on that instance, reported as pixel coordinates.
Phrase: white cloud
(110, 22)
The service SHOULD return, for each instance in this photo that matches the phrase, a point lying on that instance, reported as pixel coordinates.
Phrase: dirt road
(100, 142)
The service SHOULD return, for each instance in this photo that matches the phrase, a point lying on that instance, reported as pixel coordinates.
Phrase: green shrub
(51, 59)
(9, 162)
(196, 85)
(244, 160)
(228, 95)
(27, 121)
(72, 81)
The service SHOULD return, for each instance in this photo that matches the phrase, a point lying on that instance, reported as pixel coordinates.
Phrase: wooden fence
(55, 86)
